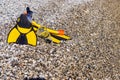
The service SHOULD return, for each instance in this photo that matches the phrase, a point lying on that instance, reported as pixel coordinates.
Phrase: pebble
(52, 51)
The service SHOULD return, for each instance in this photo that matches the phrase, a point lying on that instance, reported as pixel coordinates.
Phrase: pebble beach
(93, 53)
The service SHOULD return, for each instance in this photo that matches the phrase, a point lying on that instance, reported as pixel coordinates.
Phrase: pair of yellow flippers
(54, 35)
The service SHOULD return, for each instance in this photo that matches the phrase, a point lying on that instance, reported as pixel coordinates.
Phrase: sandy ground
(92, 54)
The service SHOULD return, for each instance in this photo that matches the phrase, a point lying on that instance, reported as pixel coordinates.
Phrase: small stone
(68, 50)
(14, 63)
(75, 22)
(53, 50)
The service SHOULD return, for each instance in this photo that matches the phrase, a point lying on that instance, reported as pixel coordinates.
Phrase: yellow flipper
(53, 35)
(46, 34)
